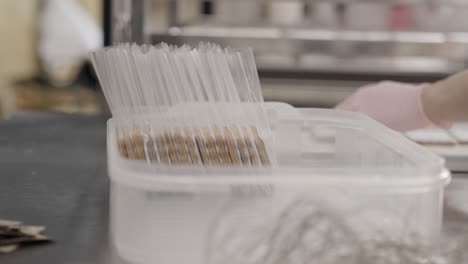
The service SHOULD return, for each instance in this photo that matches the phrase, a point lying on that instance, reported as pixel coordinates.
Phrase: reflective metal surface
(402, 40)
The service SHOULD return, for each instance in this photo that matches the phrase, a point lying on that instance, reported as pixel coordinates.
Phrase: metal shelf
(409, 2)
(415, 66)
(296, 49)
(311, 34)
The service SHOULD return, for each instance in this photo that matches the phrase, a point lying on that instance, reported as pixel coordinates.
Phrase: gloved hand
(396, 105)
(405, 107)
(447, 100)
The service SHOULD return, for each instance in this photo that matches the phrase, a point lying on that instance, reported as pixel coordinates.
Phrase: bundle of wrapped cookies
(215, 146)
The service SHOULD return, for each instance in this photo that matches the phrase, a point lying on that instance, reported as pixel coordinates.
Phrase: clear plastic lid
(311, 146)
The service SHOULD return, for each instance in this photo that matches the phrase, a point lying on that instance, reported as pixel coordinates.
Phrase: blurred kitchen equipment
(367, 15)
(401, 16)
(235, 12)
(286, 12)
(323, 13)
(67, 34)
(355, 41)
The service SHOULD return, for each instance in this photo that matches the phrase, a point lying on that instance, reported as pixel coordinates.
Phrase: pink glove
(396, 105)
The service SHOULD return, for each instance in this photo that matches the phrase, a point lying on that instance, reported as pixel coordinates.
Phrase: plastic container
(344, 185)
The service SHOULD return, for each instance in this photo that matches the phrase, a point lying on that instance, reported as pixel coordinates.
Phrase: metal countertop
(53, 173)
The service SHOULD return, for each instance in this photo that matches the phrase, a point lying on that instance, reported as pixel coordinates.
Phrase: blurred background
(309, 52)
(43, 65)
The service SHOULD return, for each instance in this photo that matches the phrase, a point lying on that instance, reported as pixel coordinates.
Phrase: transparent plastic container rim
(429, 170)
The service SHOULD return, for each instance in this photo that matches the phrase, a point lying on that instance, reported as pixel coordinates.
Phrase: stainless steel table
(53, 173)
